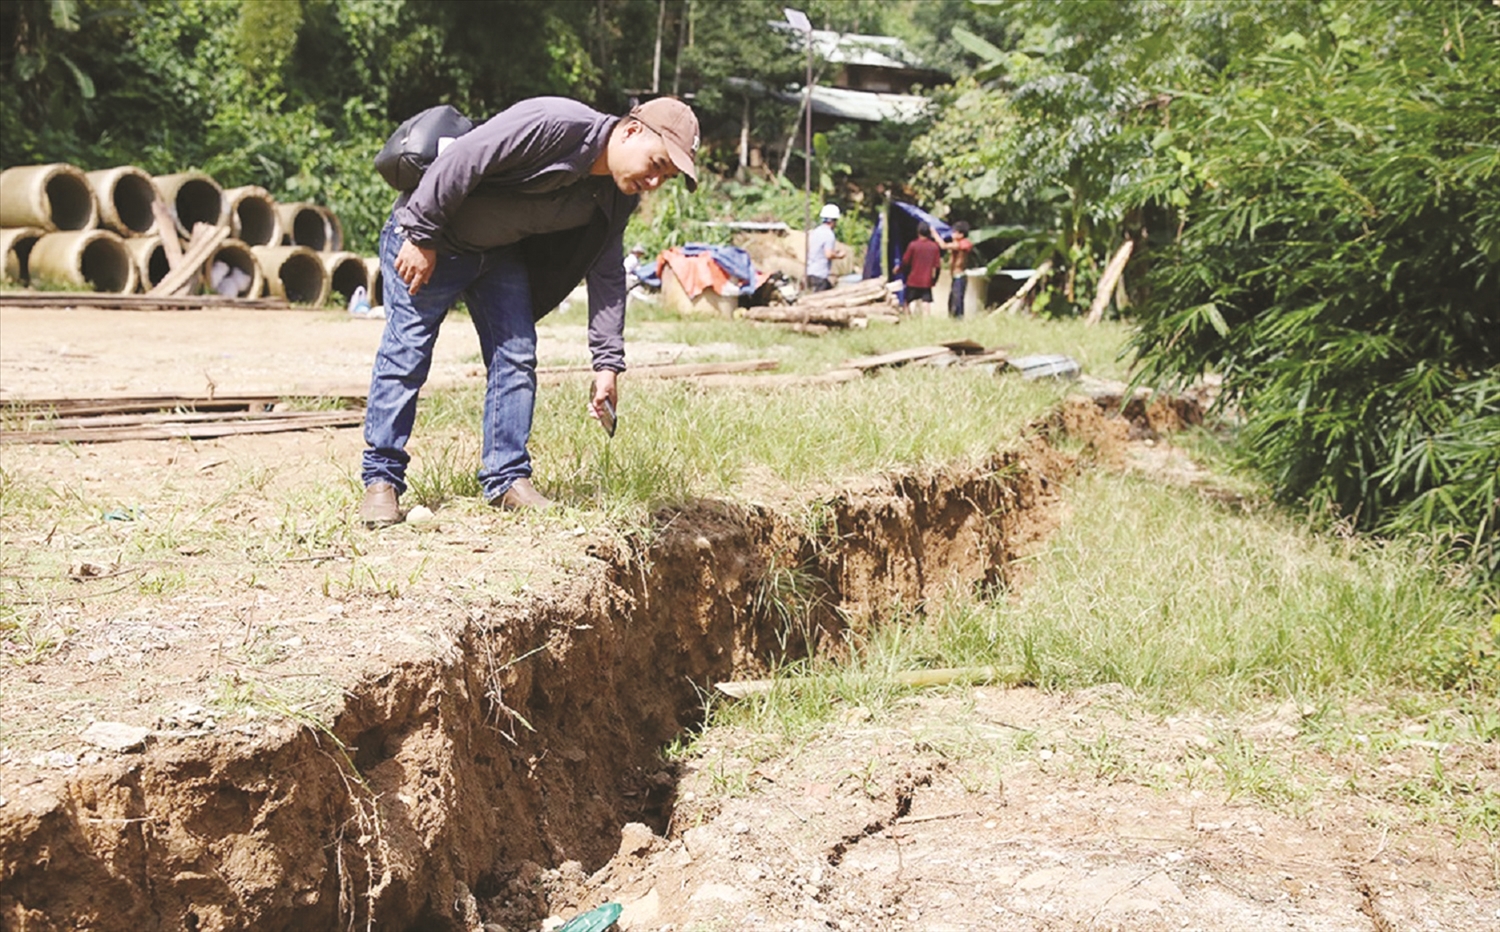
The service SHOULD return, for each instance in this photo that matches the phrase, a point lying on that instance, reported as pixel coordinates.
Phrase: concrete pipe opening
(335, 229)
(92, 260)
(193, 198)
(304, 225)
(150, 258)
(346, 272)
(15, 247)
(294, 273)
(234, 272)
(252, 216)
(125, 196)
(53, 197)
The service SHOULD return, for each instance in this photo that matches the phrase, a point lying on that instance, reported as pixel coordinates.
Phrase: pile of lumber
(163, 417)
(951, 353)
(842, 307)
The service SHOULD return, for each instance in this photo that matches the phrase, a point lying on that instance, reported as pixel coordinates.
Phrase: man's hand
(605, 389)
(415, 264)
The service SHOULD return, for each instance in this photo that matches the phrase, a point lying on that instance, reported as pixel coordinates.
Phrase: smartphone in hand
(607, 418)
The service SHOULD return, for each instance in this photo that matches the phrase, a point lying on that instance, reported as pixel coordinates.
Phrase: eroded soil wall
(533, 738)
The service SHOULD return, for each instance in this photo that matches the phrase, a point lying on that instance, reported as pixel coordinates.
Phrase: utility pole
(799, 20)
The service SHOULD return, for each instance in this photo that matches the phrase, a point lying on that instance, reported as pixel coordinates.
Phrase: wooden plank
(1108, 280)
(166, 228)
(304, 420)
(140, 404)
(138, 302)
(163, 417)
(759, 382)
(199, 249)
(897, 358)
(554, 375)
(964, 346)
(1016, 300)
(836, 317)
(945, 676)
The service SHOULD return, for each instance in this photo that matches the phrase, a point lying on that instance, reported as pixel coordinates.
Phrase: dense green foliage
(298, 95)
(1317, 185)
(1339, 260)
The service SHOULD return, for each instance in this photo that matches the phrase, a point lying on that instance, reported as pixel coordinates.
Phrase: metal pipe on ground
(346, 272)
(125, 195)
(294, 273)
(15, 248)
(234, 272)
(252, 215)
(54, 197)
(89, 260)
(305, 224)
(191, 197)
(150, 258)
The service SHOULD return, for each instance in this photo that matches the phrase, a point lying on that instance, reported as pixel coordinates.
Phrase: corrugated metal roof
(855, 49)
(867, 106)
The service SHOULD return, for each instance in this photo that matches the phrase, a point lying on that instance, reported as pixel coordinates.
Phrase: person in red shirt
(958, 249)
(920, 265)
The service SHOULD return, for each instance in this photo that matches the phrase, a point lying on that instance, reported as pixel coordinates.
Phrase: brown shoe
(380, 508)
(522, 496)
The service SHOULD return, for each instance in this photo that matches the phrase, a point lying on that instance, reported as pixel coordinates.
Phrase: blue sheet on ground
(732, 259)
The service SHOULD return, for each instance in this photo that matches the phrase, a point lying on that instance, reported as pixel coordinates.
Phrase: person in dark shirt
(919, 268)
(510, 217)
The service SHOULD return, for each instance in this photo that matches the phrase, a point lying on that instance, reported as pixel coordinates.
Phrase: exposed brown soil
(443, 727)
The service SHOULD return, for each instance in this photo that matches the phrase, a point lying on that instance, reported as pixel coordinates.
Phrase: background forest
(1310, 186)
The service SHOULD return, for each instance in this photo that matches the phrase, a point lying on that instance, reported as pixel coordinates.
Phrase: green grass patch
(1346, 647)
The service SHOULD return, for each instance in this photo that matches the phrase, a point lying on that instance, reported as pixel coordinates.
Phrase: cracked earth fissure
(531, 739)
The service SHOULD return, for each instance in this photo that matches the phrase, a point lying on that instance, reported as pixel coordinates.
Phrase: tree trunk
(682, 28)
(661, 22)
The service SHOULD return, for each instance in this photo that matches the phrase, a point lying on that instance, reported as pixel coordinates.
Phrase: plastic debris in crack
(595, 920)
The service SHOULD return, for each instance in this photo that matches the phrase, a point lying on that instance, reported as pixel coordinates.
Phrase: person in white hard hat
(633, 262)
(822, 248)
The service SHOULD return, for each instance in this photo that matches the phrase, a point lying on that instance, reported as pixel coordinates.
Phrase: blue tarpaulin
(735, 262)
(904, 220)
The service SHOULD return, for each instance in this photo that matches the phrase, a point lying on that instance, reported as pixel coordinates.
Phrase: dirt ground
(975, 808)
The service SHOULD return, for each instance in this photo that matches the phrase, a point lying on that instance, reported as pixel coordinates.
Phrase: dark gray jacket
(538, 152)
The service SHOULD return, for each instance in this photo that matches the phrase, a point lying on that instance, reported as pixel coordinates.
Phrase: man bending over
(510, 217)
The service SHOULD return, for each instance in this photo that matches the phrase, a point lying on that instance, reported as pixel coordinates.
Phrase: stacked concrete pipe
(125, 195)
(15, 248)
(253, 218)
(377, 280)
(294, 273)
(346, 272)
(305, 224)
(150, 258)
(90, 260)
(335, 229)
(240, 264)
(191, 197)
(53, 197)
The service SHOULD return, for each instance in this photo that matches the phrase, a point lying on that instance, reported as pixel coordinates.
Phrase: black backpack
(414, 144)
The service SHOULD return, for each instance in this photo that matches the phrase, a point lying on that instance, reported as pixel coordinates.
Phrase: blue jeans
(956, 296)
(495, 286)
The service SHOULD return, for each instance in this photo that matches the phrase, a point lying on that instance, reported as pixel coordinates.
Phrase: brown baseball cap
(675, 123)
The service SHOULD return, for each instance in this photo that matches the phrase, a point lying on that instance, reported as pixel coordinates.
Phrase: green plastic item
(595, 920)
